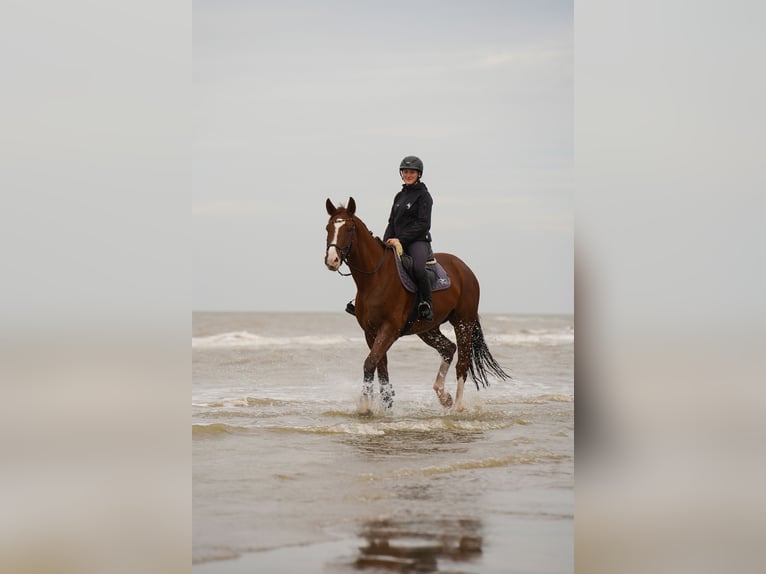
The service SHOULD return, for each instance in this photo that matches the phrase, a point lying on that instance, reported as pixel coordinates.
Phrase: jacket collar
(417, 186)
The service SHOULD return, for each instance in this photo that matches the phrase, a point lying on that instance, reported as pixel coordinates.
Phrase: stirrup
(425, 311)
(350, 309)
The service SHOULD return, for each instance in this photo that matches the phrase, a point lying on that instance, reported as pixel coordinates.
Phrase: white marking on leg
(444, 398)
(440, 377)
(365, 405)
(443, 368)
(365, 401)
(459, 395)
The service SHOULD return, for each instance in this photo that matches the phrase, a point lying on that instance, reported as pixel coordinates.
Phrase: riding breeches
(419, 251)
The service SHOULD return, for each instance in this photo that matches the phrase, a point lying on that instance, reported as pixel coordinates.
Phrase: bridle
(345, 252)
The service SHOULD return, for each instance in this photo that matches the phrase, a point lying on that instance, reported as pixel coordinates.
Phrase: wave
(383, 426)
(534, 337)
(239, 339)
(542, 399)
(514, 459)
(215, 429)
(336, 421)
(245, 339)
(523, 458)
(242, 402)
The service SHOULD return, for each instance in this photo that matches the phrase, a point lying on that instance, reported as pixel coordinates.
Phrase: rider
(409, 225)
(409, 228)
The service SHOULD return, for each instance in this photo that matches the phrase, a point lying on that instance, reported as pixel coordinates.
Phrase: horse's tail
(482, 362)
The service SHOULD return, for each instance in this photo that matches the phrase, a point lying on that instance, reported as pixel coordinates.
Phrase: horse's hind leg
(446, 348)
(463, 334)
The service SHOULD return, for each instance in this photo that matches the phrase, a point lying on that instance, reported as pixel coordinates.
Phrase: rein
(346, 251)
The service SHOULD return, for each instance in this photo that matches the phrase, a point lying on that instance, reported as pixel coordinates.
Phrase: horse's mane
(377, 239)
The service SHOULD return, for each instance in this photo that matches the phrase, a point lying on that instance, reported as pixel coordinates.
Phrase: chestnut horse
(383, 306)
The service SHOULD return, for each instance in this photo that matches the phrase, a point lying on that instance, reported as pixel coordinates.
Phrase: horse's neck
(366, 255)
(367, 248)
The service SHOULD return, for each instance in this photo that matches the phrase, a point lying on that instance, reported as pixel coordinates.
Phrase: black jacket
(410, 218)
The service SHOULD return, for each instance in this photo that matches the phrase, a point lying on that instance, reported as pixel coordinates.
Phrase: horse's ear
(351, 206)
(330, 207)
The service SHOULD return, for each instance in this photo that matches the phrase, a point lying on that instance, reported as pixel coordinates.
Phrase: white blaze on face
(332, 260)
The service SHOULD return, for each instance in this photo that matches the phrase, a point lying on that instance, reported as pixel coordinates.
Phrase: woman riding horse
(383, 306)
(409, 229)
(409, 226)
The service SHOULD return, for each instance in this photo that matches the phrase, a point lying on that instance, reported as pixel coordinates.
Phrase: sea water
(288, 478)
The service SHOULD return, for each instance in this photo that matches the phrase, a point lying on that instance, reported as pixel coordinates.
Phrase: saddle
(436, 273)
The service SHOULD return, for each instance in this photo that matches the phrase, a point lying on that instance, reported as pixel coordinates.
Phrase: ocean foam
(245, 339)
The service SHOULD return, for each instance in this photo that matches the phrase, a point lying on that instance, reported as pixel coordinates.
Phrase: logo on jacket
(408, 205)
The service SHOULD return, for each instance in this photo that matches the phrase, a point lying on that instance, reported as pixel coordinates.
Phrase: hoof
(446, 400)
(365, 406)
(459, 408)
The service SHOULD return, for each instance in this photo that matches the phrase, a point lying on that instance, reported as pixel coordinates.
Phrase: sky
(297, 101)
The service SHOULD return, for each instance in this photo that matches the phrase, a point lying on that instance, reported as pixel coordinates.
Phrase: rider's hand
(396, 244)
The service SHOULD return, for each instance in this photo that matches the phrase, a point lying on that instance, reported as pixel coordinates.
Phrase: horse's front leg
(386, 389)
(379, 344)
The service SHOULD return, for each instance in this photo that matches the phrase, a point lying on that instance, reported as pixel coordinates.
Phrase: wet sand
(288, 478)
(512, 545)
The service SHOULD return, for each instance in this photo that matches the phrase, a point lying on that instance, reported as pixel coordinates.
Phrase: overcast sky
(298, 101)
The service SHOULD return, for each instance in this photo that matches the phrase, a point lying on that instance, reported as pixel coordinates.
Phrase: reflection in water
(417, 545)
(405, 442)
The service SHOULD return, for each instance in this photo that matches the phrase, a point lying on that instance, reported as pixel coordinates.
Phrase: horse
(383, 307)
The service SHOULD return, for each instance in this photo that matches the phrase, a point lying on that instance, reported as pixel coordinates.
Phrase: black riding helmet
(412, 162)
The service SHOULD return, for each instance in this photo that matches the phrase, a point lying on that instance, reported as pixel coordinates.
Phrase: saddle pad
(437, 274)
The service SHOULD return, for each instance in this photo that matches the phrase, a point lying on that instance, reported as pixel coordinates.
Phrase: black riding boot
(424, 289)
